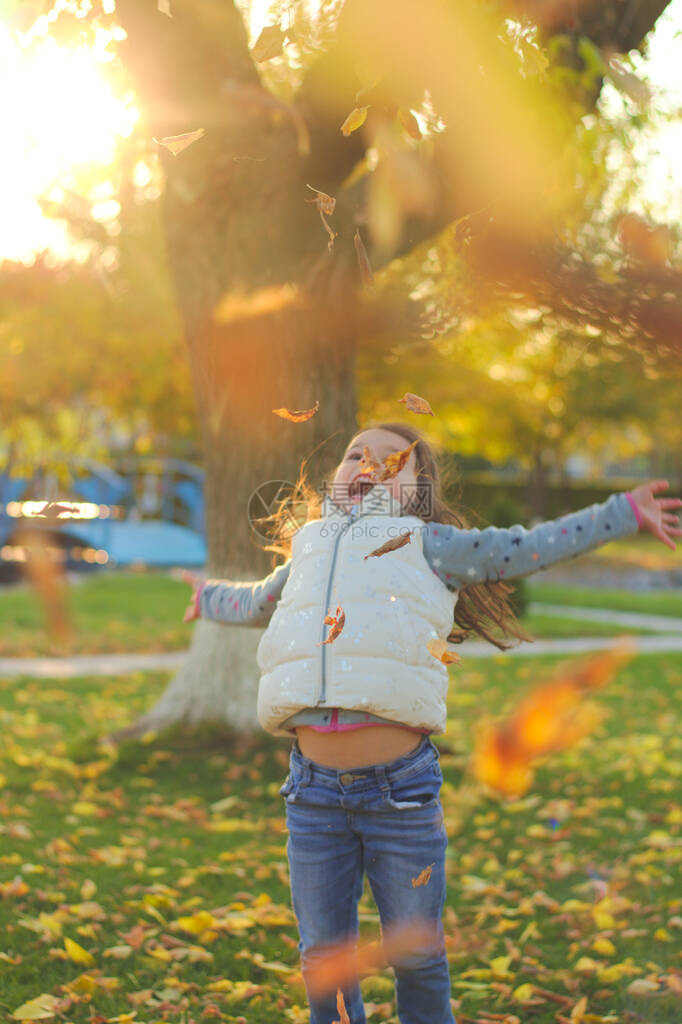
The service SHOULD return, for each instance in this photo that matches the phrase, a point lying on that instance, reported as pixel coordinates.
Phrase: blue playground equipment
(146, 512)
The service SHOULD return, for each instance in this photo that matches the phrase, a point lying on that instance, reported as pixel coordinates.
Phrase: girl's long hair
(480, 607)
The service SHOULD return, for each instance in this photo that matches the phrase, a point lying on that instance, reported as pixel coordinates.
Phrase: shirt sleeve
(462, 557)
(246, 604)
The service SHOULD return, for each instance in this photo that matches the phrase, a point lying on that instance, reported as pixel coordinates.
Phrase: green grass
(121, 853)
(554, 627)
(126, 611)
(118, 611)
(658, 603)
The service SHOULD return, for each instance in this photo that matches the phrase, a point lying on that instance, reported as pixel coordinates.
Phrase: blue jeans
(386, 820)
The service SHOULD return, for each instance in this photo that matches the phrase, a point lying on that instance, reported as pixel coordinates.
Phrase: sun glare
(61, 123)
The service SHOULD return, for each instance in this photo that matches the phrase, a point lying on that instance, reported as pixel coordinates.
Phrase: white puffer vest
(393, 603)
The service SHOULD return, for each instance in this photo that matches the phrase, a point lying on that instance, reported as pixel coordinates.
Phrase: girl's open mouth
(360, 486)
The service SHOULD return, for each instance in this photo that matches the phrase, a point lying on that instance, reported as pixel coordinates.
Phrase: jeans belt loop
(384, 784)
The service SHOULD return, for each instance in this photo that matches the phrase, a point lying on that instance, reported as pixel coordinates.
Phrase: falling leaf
(416, 404)
(368, 466)
(345, 961)
(363, 259)
(298, 416)
(391, 545)
(423, 877)
(176, 143)
(395, 462)
(409, 123)
(337, 623)
(269, 44)
(325, 204)
(649, 245)
(628, 83)
(46, 574)
(355, 120)
(439, 649)
(37, 1009)
(551, 718)
(341, 1008)
(164, 7)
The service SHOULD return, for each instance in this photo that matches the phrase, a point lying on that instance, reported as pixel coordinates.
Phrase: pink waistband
(335, 727)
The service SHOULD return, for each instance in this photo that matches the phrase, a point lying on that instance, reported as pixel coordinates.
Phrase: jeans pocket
(289, 790)
(421, 790)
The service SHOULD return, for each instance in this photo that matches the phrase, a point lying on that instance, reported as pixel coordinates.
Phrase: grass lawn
(665, 602)
(153, 884)
(126, 611)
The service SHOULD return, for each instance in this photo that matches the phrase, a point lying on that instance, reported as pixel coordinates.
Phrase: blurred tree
(484, 143)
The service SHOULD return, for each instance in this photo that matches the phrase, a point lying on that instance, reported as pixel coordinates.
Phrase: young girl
(362, 794)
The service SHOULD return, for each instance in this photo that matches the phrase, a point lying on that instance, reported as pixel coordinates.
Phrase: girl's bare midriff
(357, 748)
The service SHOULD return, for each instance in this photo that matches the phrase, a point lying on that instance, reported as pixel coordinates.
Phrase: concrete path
(122, 664)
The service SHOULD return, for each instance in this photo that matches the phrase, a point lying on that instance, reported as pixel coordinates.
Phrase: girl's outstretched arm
(246, 604)
(462, 557)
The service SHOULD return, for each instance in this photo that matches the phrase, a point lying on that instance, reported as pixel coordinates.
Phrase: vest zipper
(323, 648)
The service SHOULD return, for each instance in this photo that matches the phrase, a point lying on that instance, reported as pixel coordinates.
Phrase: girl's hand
(654, 511)
(194, 581)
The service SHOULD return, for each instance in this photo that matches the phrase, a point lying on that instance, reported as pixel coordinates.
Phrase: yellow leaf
(662, 935)
(604, 946)
(614, 972)
(37, 1009)
(262, 900)
(578, 1011)
(586, 964)
(197, 923)
(522, 993)
(77, 953)
(500, 964)
(355, 120)
(176, 143)
(269, 44)
(642, 987)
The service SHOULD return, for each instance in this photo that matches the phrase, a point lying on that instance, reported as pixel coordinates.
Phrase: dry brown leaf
(439, 649)
(176, 143)
(409, 123)
(363, 259)
(324, 204)
(341, 1007)
(552, 718)
(355, 120)
(395, 462)
(337, 622)
(269, 44)
(416, 404)
(47, 576)
(423, 878)
(298, 416)
(368, 466)
(345, 961)
(390, 545)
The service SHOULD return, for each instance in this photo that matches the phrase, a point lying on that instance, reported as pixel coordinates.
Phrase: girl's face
(380, 443)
